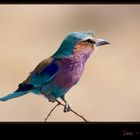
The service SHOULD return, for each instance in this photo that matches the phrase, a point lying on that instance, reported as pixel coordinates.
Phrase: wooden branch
(59, 103)
(51, 111)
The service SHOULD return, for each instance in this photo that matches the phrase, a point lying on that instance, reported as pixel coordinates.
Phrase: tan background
(110, 86)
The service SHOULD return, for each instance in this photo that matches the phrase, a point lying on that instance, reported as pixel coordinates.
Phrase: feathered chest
(70, 70)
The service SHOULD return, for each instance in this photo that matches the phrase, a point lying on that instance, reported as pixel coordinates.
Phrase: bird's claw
(67, 107)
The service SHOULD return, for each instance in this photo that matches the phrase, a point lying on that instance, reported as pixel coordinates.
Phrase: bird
(55, 76)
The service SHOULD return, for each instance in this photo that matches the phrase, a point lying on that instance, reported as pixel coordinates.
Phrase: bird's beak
(101, 42)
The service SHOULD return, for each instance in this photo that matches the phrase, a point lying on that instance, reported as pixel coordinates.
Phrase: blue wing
(43, 73)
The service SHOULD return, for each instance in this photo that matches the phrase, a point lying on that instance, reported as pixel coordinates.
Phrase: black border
(103, 130)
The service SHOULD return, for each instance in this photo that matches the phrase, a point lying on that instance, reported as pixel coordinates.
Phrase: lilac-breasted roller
(56, 75)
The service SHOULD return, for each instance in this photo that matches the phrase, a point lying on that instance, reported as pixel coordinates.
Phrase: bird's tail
(23, 89)
(13, 95)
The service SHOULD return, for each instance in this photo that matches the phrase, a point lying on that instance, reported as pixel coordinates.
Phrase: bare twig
(59, 103)
(51, 111)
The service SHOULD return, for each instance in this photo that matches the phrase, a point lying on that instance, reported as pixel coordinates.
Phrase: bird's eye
(89, 41)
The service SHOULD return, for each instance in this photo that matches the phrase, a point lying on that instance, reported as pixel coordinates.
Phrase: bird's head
(78, 42)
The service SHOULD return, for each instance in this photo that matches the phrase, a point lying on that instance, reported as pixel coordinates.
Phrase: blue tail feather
(13, 95)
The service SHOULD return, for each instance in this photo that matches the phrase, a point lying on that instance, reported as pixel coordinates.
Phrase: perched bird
(56, 75)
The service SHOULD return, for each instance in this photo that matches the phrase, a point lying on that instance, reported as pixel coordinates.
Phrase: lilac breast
(70, 70)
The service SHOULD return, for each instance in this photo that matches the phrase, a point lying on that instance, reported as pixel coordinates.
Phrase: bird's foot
(51, 98)
(67, 107)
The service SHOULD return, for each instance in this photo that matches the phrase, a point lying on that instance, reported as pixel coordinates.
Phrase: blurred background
(109, 89)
